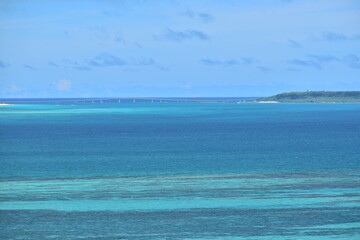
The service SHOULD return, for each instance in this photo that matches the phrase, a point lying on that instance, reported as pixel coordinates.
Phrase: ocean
(180, 170)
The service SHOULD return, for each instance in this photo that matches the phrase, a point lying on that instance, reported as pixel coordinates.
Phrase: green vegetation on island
(314, 97)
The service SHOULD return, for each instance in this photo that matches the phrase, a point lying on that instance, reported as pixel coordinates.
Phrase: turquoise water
(180, 171)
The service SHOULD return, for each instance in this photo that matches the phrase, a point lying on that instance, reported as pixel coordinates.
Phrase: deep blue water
(180, 171)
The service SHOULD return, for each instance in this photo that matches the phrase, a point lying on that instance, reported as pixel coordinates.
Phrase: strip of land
(314, 97)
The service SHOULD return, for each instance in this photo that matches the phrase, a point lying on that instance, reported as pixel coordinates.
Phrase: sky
(177, 48)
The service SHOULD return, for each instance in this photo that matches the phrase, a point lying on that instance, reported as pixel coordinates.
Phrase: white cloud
(63, 85)
(13, 89)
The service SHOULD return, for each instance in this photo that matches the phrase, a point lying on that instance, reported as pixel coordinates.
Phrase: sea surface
(180, 170)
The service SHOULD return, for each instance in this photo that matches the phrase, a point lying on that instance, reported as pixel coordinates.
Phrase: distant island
(314, 97)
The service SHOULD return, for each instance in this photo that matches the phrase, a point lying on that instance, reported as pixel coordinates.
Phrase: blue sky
(193, 48)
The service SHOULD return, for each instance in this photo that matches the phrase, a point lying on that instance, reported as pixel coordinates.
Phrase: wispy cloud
(332, 36)
(108, 36)
(29, 67)
(318, 61)
(204, 17)
(145, 62)
(106, 60)
(212, 62)
(264, 69)
(229, 62)
(304, 63)
(63, 85)
(180, 36)
(12, 89)
(119, 38)
(53, 64)
(249, 60)
(323, 58)
(109, 60)
(294, 44)
(4, 64)
(68, 63)
(352, 61)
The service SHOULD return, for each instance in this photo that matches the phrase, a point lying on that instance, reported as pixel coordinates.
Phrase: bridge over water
(126, 100)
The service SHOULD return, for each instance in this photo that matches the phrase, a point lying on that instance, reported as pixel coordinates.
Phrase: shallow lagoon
(180, 171)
